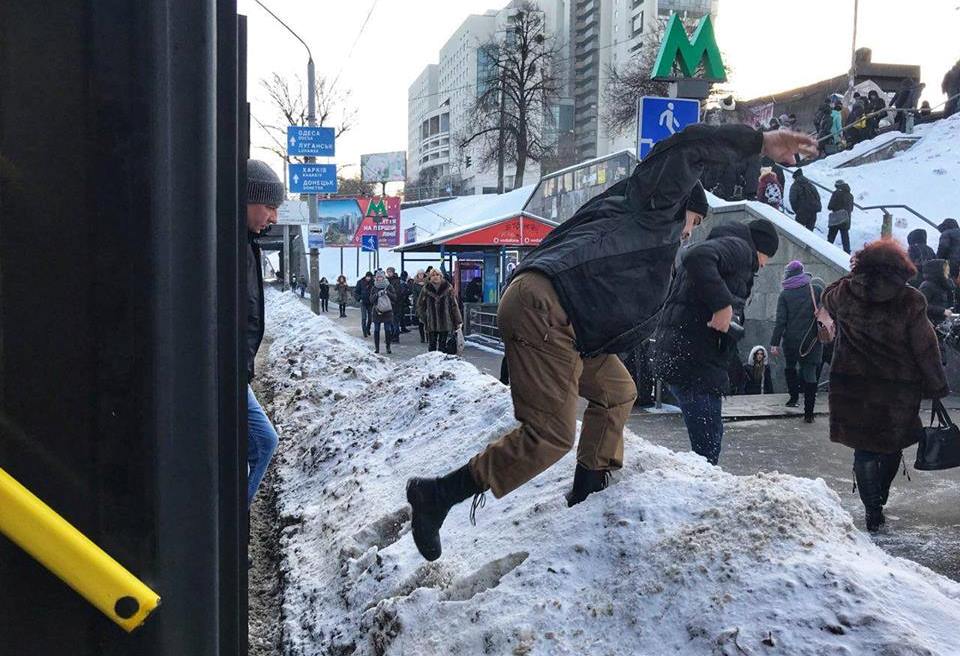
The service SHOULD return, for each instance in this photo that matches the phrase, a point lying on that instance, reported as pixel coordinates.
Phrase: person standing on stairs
(795, 336)
(590, 290)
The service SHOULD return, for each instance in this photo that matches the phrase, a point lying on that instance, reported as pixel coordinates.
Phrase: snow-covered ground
(676, 557)
(926, 177)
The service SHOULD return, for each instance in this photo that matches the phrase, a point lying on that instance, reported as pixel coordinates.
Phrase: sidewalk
(923, 514)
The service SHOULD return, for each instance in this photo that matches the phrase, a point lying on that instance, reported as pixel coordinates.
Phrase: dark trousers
(423, 334)
(387, 331)
(844, 235)
(808, 221)
(324, 304)
(702, 414)
(437, 341)
(343, 309)
(365, 318)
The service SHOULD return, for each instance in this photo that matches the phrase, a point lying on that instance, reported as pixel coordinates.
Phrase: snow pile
(925, 177)
(675, 557)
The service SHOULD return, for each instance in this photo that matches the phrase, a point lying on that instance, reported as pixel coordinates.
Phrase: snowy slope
(926, 177)
(676, 557)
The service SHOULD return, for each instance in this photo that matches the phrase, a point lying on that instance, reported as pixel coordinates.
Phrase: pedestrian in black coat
(805, 200)
(939, 291)
(919, 253)
(795, 336)
(324, 294)
(362, 295)
(840, 200)
(756, 373)
(692, 348)
(949, 247)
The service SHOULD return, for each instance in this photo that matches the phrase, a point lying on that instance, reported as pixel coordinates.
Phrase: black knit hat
(697, 202)
(765, 238)
(263, 185)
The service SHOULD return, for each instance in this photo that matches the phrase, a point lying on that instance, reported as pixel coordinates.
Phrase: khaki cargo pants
(547, 375)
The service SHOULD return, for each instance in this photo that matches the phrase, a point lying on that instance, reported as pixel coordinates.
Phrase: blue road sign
(315, 240)
(659, 118)
(306, 141)
(369, 243)
(313, 178)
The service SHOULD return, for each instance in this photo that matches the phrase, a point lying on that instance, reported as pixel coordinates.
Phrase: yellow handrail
(72, 557)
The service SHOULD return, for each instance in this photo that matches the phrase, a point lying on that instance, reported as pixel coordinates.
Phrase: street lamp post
(311, 198)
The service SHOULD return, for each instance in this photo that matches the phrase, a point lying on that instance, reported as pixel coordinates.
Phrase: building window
(637, 3)
(637, 24)
(445, 122)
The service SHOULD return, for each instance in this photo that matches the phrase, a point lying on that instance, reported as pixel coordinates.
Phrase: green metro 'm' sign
(688, 53)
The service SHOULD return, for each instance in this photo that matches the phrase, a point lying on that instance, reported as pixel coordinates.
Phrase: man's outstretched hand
(782, 145)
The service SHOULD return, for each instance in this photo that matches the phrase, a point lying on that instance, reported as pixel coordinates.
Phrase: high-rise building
(592, 38)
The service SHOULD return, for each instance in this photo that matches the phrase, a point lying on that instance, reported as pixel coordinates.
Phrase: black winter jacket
(949, 246)
(919, 253)
(842, 199)
(711, 275)
(626, 239)
(939, 291)
(361, 293)
(804, 197)
(255, 313)
(796, 326)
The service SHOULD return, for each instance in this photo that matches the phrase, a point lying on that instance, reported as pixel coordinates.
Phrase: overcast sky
(771, 45)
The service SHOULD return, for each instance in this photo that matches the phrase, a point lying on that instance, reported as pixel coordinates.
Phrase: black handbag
(450, 348)
(939, 446)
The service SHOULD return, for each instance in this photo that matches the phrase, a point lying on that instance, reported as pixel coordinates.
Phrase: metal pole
(341, 261)
(853, 51)
(358, 262)
(287, 260)
(312, 198)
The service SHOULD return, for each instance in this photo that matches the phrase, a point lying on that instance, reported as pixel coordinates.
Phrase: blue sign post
(313, 178)
(306, 141)
(315, 240)
(369, 243)
(659, 118)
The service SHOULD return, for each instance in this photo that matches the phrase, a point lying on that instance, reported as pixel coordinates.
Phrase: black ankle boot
(793, 387)
(430, 500)
(867, 474)
(809, 401)
(586, 482)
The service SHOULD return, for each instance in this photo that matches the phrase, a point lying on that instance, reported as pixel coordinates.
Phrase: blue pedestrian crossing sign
(307, 141)
(369, 243)
(313, 178)
(660, 118)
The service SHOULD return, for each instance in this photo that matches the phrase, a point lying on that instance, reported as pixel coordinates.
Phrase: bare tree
(631, 81)
(354, 187)
(517, 90)
(289, 105)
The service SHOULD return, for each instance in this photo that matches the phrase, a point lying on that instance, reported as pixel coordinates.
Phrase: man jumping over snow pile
(587, 292)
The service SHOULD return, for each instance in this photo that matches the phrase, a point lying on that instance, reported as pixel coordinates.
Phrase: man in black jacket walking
(805, 200)
(589, 291)
(692, 351)
(265, 194)
(362, 295)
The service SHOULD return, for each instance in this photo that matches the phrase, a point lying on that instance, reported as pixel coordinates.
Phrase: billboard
(384, 167)
(344, 221)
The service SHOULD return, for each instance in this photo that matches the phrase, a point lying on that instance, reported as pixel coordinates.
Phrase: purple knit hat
(793, 268)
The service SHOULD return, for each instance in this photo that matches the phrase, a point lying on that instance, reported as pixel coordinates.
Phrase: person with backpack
(324, 295)
(919, 254)
(805, 200)
(438, 311)
(756, 373)
(885, 361)
(770, 189)
(841, 209)
(590, 290)
(361, 295)
(795, 332)
(342, 294)
(382, 301)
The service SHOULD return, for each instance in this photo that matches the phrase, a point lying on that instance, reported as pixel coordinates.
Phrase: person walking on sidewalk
(362, 294)
(324, 295)
(886, 359)
(841, 209)
(438, 311)
(948, 248)
(381, 309)
(397, 289)
(941, 294)
(757, 378)
(586, 293)
(265, 194)
(713, 279)
(919, 253)
(795, 336)
(342, 294)
(416, 287)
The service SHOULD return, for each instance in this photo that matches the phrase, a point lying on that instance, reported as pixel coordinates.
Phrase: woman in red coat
(885, 359)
